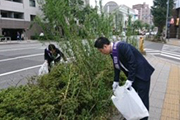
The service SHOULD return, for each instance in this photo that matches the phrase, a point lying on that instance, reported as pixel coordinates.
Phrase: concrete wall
(13, 23)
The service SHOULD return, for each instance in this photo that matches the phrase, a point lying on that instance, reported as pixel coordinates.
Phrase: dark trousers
(142, 88)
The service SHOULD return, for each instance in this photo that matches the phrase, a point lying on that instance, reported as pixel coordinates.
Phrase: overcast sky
(128, 3)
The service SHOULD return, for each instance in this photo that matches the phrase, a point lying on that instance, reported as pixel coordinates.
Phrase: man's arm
(116, 74)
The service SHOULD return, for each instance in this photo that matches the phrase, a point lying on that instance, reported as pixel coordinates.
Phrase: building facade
(16, 16)
(174, 27)
(144, 13)
(110, 7)
(122, 13)
(128, 11)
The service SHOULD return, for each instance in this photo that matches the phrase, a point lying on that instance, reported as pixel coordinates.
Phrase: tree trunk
(160, 30)
(160, 36)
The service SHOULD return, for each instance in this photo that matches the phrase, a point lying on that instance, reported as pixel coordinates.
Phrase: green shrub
(63, 94)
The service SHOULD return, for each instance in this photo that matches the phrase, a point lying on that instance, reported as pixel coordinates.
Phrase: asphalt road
(19, 61)
(166, 51)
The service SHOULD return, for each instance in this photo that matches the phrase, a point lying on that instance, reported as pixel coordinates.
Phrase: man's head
(103, 45)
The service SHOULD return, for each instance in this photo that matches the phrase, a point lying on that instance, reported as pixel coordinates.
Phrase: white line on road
(170, 53)
(15, 71)
(151, 50)
(21, 57)
(19, 49)
(170, 56)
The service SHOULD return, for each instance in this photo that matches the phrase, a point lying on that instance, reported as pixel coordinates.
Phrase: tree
(73, 17)
(147, 26)
(137, 25)
(158, 11)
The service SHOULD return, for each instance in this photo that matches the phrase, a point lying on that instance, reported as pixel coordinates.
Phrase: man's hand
(128, 84)
(115, 85)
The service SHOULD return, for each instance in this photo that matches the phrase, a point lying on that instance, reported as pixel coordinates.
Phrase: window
(18, 15)
(6, 14)
(32, 3)
(32, 17)
(19, 1)
(11, 14)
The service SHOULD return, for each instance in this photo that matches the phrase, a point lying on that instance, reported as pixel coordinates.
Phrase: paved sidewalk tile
(171, 104)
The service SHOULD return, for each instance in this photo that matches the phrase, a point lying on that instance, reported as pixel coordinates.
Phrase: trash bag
(43, 69)
(129, 103)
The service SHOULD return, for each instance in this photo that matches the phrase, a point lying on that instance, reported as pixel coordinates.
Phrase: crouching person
(53, 55)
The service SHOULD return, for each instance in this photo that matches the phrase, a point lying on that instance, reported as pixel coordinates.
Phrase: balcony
(12, 5)
(18, 1)
(11, 14)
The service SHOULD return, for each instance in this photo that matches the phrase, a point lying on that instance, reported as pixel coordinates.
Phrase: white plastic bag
(43, 69)
(129, 103)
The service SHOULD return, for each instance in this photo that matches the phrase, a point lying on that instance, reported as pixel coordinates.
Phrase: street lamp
(167, 14)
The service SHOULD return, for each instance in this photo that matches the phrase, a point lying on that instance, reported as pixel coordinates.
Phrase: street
(18, 61)
(166, 51)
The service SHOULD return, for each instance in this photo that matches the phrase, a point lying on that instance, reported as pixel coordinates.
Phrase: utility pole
(167, 16)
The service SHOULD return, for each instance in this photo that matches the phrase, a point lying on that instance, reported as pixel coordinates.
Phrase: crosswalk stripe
(167, 51)
(170, 56)
(170, 53)
(151, 51)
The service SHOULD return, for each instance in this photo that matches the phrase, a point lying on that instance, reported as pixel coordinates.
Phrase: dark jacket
(50, 57)
(134, 62)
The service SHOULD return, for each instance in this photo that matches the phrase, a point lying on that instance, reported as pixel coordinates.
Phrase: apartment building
(144, 13)
(17, 16)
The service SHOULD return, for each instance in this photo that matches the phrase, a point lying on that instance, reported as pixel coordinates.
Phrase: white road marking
(170, 56)
(167, 51)
(15, 71)
(151, 51)
(170, 53)
(19, 49)
(25, 56)
(32, 67)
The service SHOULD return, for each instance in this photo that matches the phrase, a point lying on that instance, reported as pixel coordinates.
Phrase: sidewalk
(18, 42)
(164, 92)
(173, 41)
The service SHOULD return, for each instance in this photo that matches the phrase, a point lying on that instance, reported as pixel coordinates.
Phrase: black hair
(51, 47)
(100, 42)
